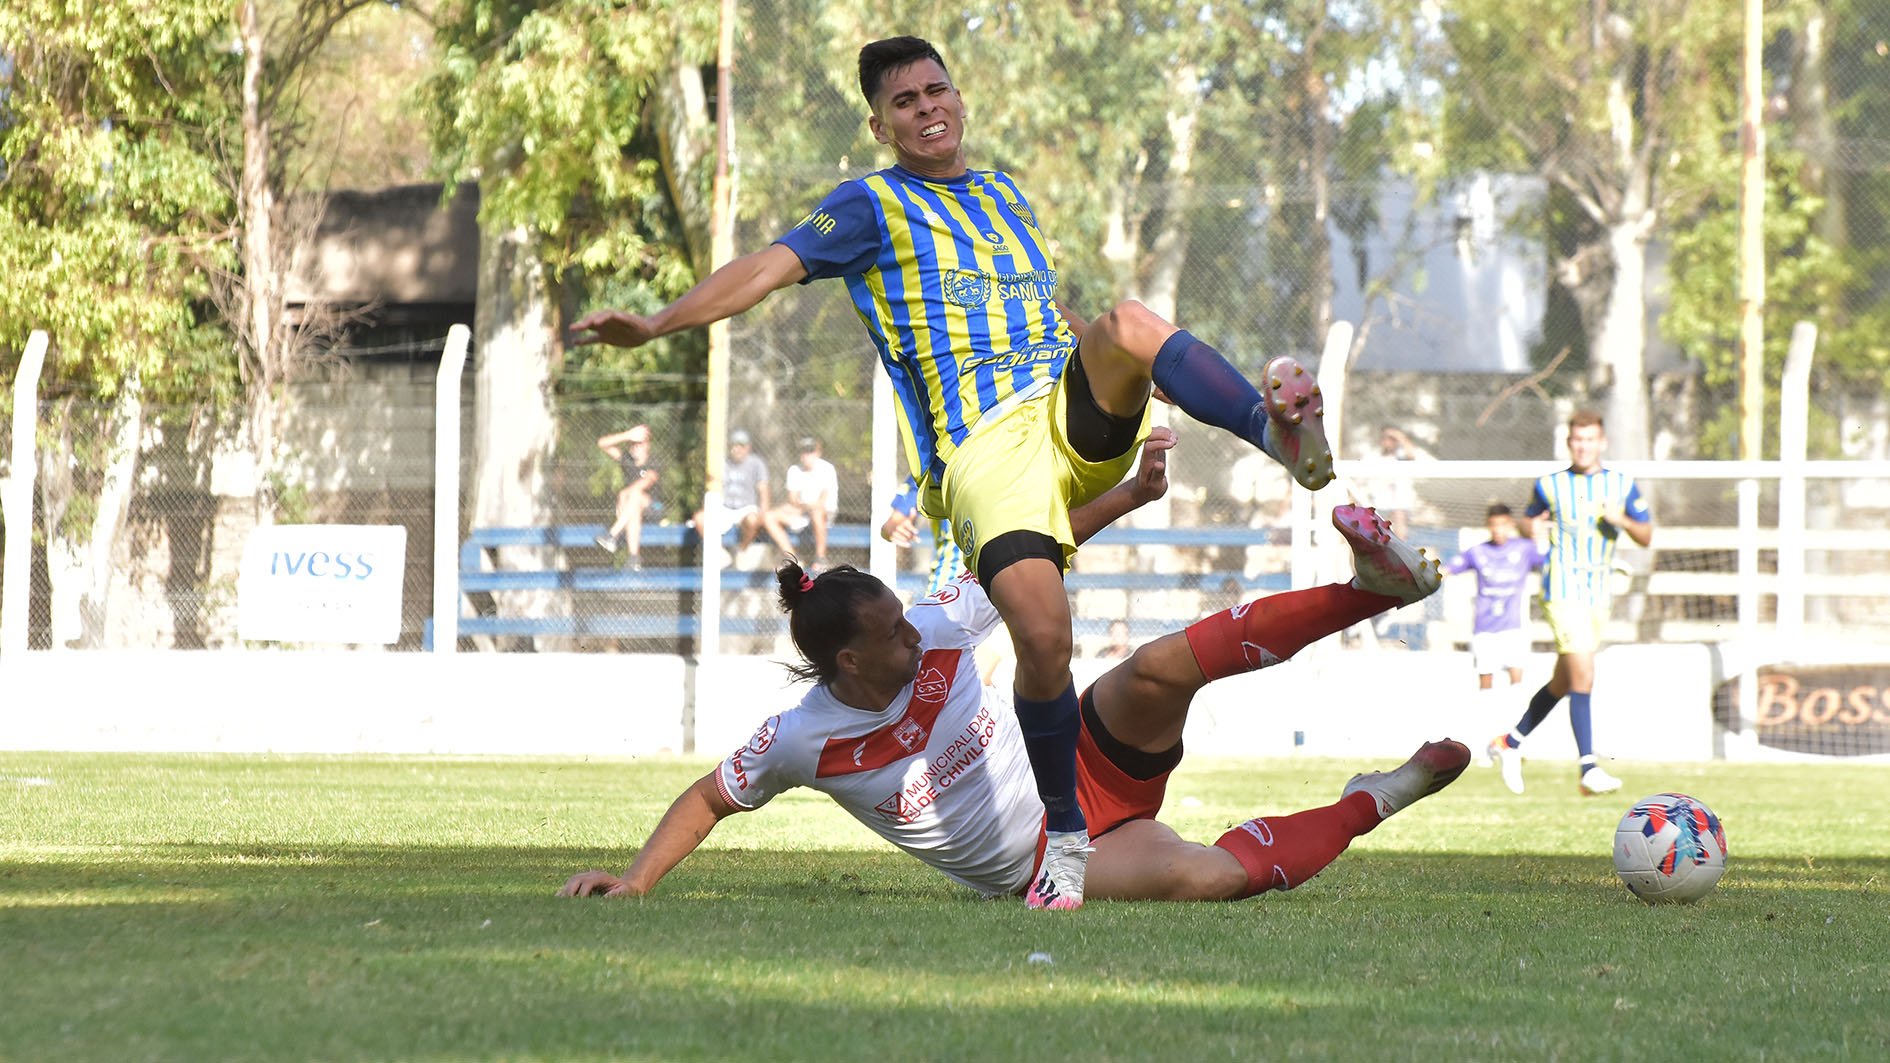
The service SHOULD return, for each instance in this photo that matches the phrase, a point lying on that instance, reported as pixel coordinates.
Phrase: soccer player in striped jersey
(1587, 509)
(1014, 410)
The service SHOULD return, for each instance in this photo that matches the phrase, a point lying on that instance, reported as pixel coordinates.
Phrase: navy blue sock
(1209, 389)
(1050, 729)
(1539, 708)
(1582, 724)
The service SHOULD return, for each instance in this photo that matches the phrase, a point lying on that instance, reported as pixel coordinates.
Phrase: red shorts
(1110, 797)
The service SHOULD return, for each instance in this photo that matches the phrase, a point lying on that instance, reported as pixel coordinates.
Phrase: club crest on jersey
(910, 734)
(1023, 213)
(967, 538)
(931, 686)
(967, 288)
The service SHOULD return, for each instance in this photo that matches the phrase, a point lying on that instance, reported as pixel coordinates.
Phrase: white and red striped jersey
(941, 772)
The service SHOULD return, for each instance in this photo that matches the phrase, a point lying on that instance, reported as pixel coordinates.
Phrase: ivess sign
(322, 583)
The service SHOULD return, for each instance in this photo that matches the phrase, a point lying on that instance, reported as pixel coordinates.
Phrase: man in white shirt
(899, 731)
(813, 499)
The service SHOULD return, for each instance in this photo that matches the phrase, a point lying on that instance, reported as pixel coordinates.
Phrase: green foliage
(398, 908)
(113, 208)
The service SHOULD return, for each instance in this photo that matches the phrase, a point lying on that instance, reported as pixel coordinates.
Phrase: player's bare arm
(690, 818)
(1149, 483)
(728, 291)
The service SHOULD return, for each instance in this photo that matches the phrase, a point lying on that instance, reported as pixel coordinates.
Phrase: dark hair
(1584, 418)
(883, 57)
(1497, 509)
(823, 614)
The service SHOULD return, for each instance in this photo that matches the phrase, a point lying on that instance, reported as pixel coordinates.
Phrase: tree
(1602, 99)
(110, 210)
(564, 197)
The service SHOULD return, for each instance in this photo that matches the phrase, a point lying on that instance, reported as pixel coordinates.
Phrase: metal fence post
(17, 499)
(446, 489)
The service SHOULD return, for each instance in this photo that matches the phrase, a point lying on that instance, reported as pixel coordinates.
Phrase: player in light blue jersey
(1015, 411)
(1587, 508)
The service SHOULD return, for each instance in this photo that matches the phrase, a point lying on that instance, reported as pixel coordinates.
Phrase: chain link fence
(1233, 179)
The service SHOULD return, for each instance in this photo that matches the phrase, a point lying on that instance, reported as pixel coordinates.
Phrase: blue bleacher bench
(608, 577)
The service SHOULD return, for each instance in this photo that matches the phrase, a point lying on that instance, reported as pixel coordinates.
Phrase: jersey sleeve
(958, 614)
(1458, 564)
(841, 238)
(1538, 502)
(906, 502)
(760, 770)
(1635, 504)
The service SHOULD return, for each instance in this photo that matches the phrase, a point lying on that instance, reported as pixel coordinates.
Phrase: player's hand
(1151, 473)
(899, 529)
(618, 328)
(594, 884)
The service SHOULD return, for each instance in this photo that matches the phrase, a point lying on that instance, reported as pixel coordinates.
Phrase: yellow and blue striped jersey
(1581, 542)
(956, 286)
(948, 560)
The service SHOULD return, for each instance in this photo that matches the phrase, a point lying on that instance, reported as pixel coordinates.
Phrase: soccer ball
(1670, 847)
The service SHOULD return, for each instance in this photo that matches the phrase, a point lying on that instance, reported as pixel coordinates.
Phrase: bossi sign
(322, 583)
(1835, 709)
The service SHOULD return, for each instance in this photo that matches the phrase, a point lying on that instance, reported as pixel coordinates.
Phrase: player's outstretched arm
(1149, 483)
(689, 820)
(728, 291)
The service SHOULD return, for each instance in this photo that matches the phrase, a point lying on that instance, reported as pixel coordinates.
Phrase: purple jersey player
(1503, 566)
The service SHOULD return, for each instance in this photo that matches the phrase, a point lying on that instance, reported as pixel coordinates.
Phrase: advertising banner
(1839, 710)
(322, 583)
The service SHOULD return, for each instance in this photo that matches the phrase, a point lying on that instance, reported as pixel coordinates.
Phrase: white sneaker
(1382, 562)
(1296, 432)
(1059, 882)
(1509, 759)
(1596, 781)
(1434, 766)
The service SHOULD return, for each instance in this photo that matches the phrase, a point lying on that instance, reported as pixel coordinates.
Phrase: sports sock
(1582, 723)
(1209, 389)
(1253, 635)
(1050, 729)
(1539, 708)
(1280, 852)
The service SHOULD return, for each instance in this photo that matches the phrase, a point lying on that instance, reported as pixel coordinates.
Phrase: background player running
(898, 731)
(1010, 418)
(1587, 508)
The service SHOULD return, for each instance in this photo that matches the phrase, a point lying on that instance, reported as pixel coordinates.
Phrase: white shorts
(799, 519)
(1495, 651)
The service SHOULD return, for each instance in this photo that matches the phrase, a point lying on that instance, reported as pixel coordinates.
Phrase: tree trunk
(1619, 343)
(79, 564)
(685, 137)
(262, 291)
(516, 347)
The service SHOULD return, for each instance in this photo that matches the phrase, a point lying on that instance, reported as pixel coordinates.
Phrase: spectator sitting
(813, 498)
(744, 494)
(630, 449)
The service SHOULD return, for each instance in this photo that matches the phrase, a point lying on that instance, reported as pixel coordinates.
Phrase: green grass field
(180, 907)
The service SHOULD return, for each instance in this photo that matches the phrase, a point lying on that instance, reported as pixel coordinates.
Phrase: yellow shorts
(1576, 626)
(1019, 473)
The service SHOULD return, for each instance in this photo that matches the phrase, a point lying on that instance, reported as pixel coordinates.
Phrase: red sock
(1256, 634)
(1280, 852)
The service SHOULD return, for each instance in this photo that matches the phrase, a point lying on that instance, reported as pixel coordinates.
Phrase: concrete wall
(1652, 703)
